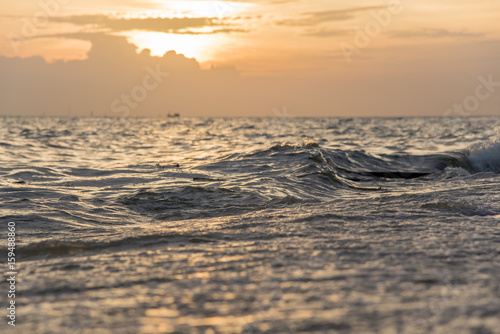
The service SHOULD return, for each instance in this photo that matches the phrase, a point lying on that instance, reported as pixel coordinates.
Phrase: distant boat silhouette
(173, 115)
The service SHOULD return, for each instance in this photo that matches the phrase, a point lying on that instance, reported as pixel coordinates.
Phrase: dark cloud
(314, 18)
(425, 81)
(112, 71)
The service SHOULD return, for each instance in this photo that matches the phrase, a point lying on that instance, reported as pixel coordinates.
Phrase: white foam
(451, 172)
(485, 157)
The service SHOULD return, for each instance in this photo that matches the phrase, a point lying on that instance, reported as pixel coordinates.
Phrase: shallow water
(253, 225)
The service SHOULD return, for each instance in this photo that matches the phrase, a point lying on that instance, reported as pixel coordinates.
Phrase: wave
(188, 202)
(287, 174)
(484, 157)
(71, 247)
(356, 164)
(463, 207)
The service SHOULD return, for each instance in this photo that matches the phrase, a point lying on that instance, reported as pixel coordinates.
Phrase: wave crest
(485, 157)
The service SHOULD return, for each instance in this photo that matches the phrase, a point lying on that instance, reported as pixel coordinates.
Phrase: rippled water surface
(242, 225)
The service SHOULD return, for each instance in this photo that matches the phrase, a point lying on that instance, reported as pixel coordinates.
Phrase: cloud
(433, 33)
(215, 31)
(180, 25)
(410, 81)
(113, 68)
(315, 18)
(327, 33)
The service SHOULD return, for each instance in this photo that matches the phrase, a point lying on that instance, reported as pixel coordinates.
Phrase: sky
(270, 58)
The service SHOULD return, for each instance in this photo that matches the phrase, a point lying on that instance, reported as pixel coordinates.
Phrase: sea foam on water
(485, 156)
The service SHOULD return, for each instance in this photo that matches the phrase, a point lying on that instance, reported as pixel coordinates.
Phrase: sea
(250, 225)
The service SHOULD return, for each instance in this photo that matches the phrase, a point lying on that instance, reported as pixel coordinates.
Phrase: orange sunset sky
(250, 58)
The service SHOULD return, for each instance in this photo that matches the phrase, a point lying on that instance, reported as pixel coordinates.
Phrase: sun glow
(199, 43)
(201, 47)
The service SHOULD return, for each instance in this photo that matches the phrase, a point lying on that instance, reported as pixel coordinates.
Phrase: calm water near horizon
(253, 225)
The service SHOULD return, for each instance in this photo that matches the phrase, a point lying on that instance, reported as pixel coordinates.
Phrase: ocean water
(242, 225)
